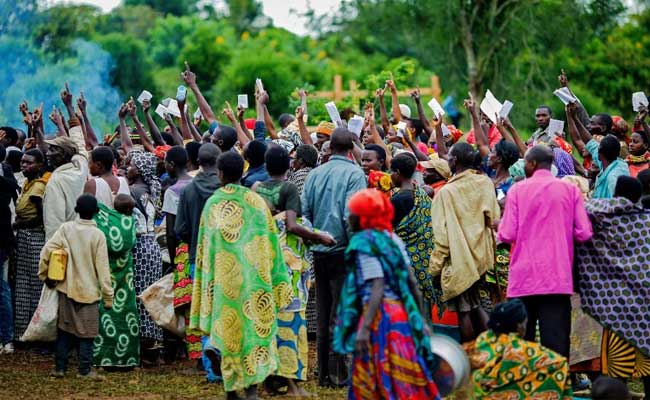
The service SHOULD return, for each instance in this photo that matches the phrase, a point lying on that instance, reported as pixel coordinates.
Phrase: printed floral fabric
(240, 284)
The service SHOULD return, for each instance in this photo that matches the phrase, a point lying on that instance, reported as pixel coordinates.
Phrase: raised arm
(374, 134)
(185, 123)
(57, 118)
(37, 129)
(385, 124)
(66, 97)
(415, 94)
(153, 128)
(89, 132)
(640, 122)
(506, 129)
(242, 122)
(479, 134)
(144, 138)
(304, 133)
(581, 113)
(194, 131)
(397, 113)
(443, 152)
(176, 135)
(125, 139)
(573, 129)
(269, 123)
(302, 94)
(585, 135)
(190, 80)
(241, 135)
(261, 98)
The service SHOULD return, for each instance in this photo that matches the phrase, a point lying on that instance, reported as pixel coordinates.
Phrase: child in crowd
(87, 278)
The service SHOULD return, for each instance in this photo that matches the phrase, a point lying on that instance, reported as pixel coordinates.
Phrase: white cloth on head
(405, 110)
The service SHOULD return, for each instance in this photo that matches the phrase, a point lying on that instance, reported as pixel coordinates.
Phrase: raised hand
(37, 116)
(55, 116)
(300, 113)
(24, 108)
(240, 112)
(122, 112)
(131, 108)
(66, 96)
(564, 81)
(436, 121)
(470, 104)
(641, 115)
(227, 111)
(301, 93)
(391, 85)
(146, 104)
(571, 109)
(262, 97)
(188, 76)
(415, 94)
(81, 102)
(380, 92)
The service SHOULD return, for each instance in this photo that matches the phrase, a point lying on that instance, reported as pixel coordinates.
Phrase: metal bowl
(453, 368)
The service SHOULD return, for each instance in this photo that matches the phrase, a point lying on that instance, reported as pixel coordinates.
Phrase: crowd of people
(532, 254)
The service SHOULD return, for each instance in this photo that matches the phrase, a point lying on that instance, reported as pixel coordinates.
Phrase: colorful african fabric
(415, 231)
(399, 362)
(614, 277)
(240, 283)
(293, 347)
(183, 296)
(508, 367)
(621, 360)
(118, 343)
(182, 277)
(495, 281)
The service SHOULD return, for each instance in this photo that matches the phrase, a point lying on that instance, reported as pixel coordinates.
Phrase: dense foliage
(514, 48)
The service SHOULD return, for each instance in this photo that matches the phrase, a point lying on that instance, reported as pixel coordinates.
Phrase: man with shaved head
(544, 217)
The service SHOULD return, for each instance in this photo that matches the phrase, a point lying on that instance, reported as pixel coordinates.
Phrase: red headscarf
(250, 123)
(373, 208)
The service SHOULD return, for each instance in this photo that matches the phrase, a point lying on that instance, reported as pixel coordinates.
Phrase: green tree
(174, 7)
(131, 71)
(208, 49)
(167, 38)
(58, 26)
(134, 21)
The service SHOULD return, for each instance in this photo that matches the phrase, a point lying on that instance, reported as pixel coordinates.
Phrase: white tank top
(105, 195)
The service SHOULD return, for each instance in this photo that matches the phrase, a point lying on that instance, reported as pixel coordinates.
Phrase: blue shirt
(606, 179)
(257, 174)
(325, 197)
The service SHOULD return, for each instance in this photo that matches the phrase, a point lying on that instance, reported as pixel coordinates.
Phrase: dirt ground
(25, 375)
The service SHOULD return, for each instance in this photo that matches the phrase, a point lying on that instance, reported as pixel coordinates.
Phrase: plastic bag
(158, 299)
(42, 327)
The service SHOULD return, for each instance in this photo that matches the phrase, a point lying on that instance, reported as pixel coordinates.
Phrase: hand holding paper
(565, 95)
(355, 125)
(242, 101)
(334, 114)
(490, 106)
(437, 109)
(639, 100)
(555, 127)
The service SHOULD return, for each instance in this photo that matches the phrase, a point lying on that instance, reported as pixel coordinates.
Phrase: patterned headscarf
(146, 164)
(564, 162)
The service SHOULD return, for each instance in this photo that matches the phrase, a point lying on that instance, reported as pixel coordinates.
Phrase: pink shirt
(543, 217)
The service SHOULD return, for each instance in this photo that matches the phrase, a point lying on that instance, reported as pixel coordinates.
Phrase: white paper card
(144, 96)
(436, 108)
(260, 86)
(491, 106)
(445, 131)
(161, 111)
(639, 99)
(242, 100)
(334, 114)
(555, 127)
(565, 95)
(173, 109)
(401, 129)
(197, 114)
(355, 125)
(165, 102)
(505, 109)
